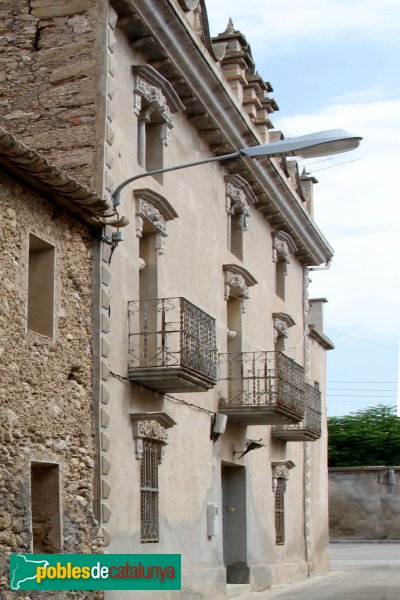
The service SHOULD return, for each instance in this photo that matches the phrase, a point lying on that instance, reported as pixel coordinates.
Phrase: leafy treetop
(368, 437)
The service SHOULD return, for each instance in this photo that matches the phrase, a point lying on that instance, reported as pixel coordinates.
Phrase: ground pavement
(359, 572)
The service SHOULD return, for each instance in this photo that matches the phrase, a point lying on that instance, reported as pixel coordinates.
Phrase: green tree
(368, 437)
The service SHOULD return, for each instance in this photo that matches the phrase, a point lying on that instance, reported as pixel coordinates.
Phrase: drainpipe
(306, 445)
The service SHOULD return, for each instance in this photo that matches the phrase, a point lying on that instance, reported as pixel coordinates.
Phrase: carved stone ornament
(239, 280)
(236, 281)
(156, 101)
(152, 430)
(282, 246)
(280, 251)
(156, 210)
(188, 5)
(280, 328)
(154, 95)
(150, 426)
(237, 205)
(280, 470)
(147, 210)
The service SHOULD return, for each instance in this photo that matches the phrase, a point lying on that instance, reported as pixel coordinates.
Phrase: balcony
(172, 346)
(262, 388)
(310, 427)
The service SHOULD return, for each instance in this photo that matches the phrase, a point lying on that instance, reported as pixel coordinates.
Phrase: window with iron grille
(149, 531)
(280, 511)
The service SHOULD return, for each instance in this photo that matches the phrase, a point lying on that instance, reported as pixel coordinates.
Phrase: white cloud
(278, 25)
(358, 209)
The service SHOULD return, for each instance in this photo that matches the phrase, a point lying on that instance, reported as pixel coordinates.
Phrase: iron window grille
(280, 511)
(149, 492)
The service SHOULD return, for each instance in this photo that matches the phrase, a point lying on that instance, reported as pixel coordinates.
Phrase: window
(155, 102)
(239, 197)
(280, 511)
(45, 508)
(149, 492)
(41, 286)
(151, 146)
(280, 274)
(282, 247)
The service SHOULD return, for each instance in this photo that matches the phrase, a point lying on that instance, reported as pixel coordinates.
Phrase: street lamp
(322, 143)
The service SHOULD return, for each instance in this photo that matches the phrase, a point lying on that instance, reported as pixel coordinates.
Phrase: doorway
(234, 523)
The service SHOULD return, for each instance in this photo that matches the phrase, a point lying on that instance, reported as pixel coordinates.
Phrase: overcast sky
(336, 63)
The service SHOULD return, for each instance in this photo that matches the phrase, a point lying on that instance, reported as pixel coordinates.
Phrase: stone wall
(46, 404)
(50, 61)
(364, 503)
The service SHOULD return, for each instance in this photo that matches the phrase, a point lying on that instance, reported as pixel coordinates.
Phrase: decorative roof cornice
(213, 109)
(35, 170)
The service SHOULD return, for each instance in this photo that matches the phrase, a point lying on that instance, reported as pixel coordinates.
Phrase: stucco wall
(46, 413)
(362, 503)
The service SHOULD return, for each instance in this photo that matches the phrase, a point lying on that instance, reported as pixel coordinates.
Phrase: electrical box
(212, 520)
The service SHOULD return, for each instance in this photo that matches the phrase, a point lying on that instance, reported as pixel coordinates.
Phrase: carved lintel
(238, 283)
(237, 204)
(154, 99)
(280, 251)
(280, 470)
(147, 210)
(280, 328)
(282, 246)
(150, 426)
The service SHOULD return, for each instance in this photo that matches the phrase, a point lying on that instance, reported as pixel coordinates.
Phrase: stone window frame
(150, 435)
(156, 211)
(280, 477)
(239, 198)
(237, 281)
(40, 245)
(282, 247)
(153, 97)
(281, 324)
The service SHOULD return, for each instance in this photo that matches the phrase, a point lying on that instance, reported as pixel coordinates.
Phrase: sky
(336, 64)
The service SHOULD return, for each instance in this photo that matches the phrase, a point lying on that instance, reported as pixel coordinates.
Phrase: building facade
(210, 376)
(49, 230)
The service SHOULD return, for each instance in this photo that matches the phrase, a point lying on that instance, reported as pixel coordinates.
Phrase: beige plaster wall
(195, 251)
(362, 503)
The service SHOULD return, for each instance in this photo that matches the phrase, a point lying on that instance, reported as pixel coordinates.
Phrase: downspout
(306, 445)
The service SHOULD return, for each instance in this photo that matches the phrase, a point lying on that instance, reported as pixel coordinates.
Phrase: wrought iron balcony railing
(261, 387)
(310, 427)
(172, 345)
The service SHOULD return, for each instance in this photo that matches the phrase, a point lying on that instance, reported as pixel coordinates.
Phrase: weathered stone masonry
(50, 80)
(45, 384)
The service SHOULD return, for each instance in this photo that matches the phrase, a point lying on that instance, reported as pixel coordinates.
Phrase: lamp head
(321, 143)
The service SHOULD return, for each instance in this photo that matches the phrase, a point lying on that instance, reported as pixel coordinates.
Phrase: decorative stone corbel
(282, 322)
(151, 426)
(152, 213)
(280, 470)
(282, 247)
(154, 95)
(239, 197)
(237, 281)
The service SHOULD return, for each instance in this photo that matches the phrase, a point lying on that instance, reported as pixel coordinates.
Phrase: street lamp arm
(322, 143)
(116, 197)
